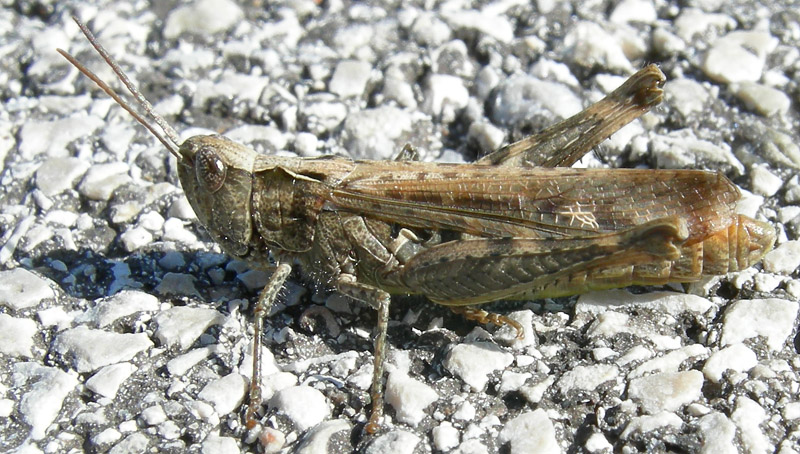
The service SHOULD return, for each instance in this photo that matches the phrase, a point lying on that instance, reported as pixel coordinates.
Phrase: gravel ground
(123, 328)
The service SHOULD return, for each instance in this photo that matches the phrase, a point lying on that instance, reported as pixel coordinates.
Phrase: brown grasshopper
(517, 224)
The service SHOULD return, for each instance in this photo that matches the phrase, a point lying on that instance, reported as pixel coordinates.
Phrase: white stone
(16, 336)
(225, 394)
(531, 433)
(672, 303)
(272, 440)
(446, 95)
(90, 349)
(736, 357)
(521, 97)
(588, 45)
(56, 175)
(214, 444)
(445, 436)
(771, 318)
(669, 362)
(47, 389)
(205, 17)
(179, 365)
(474, 362)
(641, 11)
(108, 379)
(316, 441)
(52, 137)
(136, 238)
(686, 96)
(650, 423)
(107, 437)
(350, 78)
(395, 442)
(784, 259)
(764, 182)
(120, 305)
(693, 21)
(371, 133)
(587, 378)
(153, 416)
(409, 397)
(21, 289)
(738, 56)
(666, 391)
(748, 416)
(304, 406)
(497, 26)
(717, 433)
(101, 180)
(765, 100)
(182, 325)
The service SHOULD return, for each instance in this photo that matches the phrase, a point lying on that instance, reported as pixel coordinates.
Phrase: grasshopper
(517, 224)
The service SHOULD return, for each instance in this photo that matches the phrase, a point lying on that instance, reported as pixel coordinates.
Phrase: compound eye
(210, 169)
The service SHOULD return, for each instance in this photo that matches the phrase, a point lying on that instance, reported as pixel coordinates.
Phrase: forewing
(504, 202)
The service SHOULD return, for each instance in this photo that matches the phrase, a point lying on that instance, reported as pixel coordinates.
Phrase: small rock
(771, 318)
(409, 397)
(108, 379)
(182, 325)
(181, 364)
(485, 22)
(587, 378)
(56, 175)
(521, 98)
(736, 357)
(717, 433)
(445, 436)
(318, 439)
(530, 432)
(445, 96)
(214, 444)
(474, 362)
(153, 416)
(670, 362)
(748, 416)
(101, 180)
(686, 96)
(666, 391)
(90, 349)
(136, 238)
(180, 284)
(634, 11)
(372, 133)
(16, 336)
(784, 259)
(350, 78)
(765, 100)
(587, 44)
(205, 17)
(738, 56)
(21, 289)
(396, 442)
(663, 421)
(304, 406)
(52, 137)
(122, 304)
(764, 182)
(225, 394)
(47, 387)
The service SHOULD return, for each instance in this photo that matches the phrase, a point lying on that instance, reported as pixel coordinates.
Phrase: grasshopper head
(215, 173)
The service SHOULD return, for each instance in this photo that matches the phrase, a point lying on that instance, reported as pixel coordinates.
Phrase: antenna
(169, 137)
